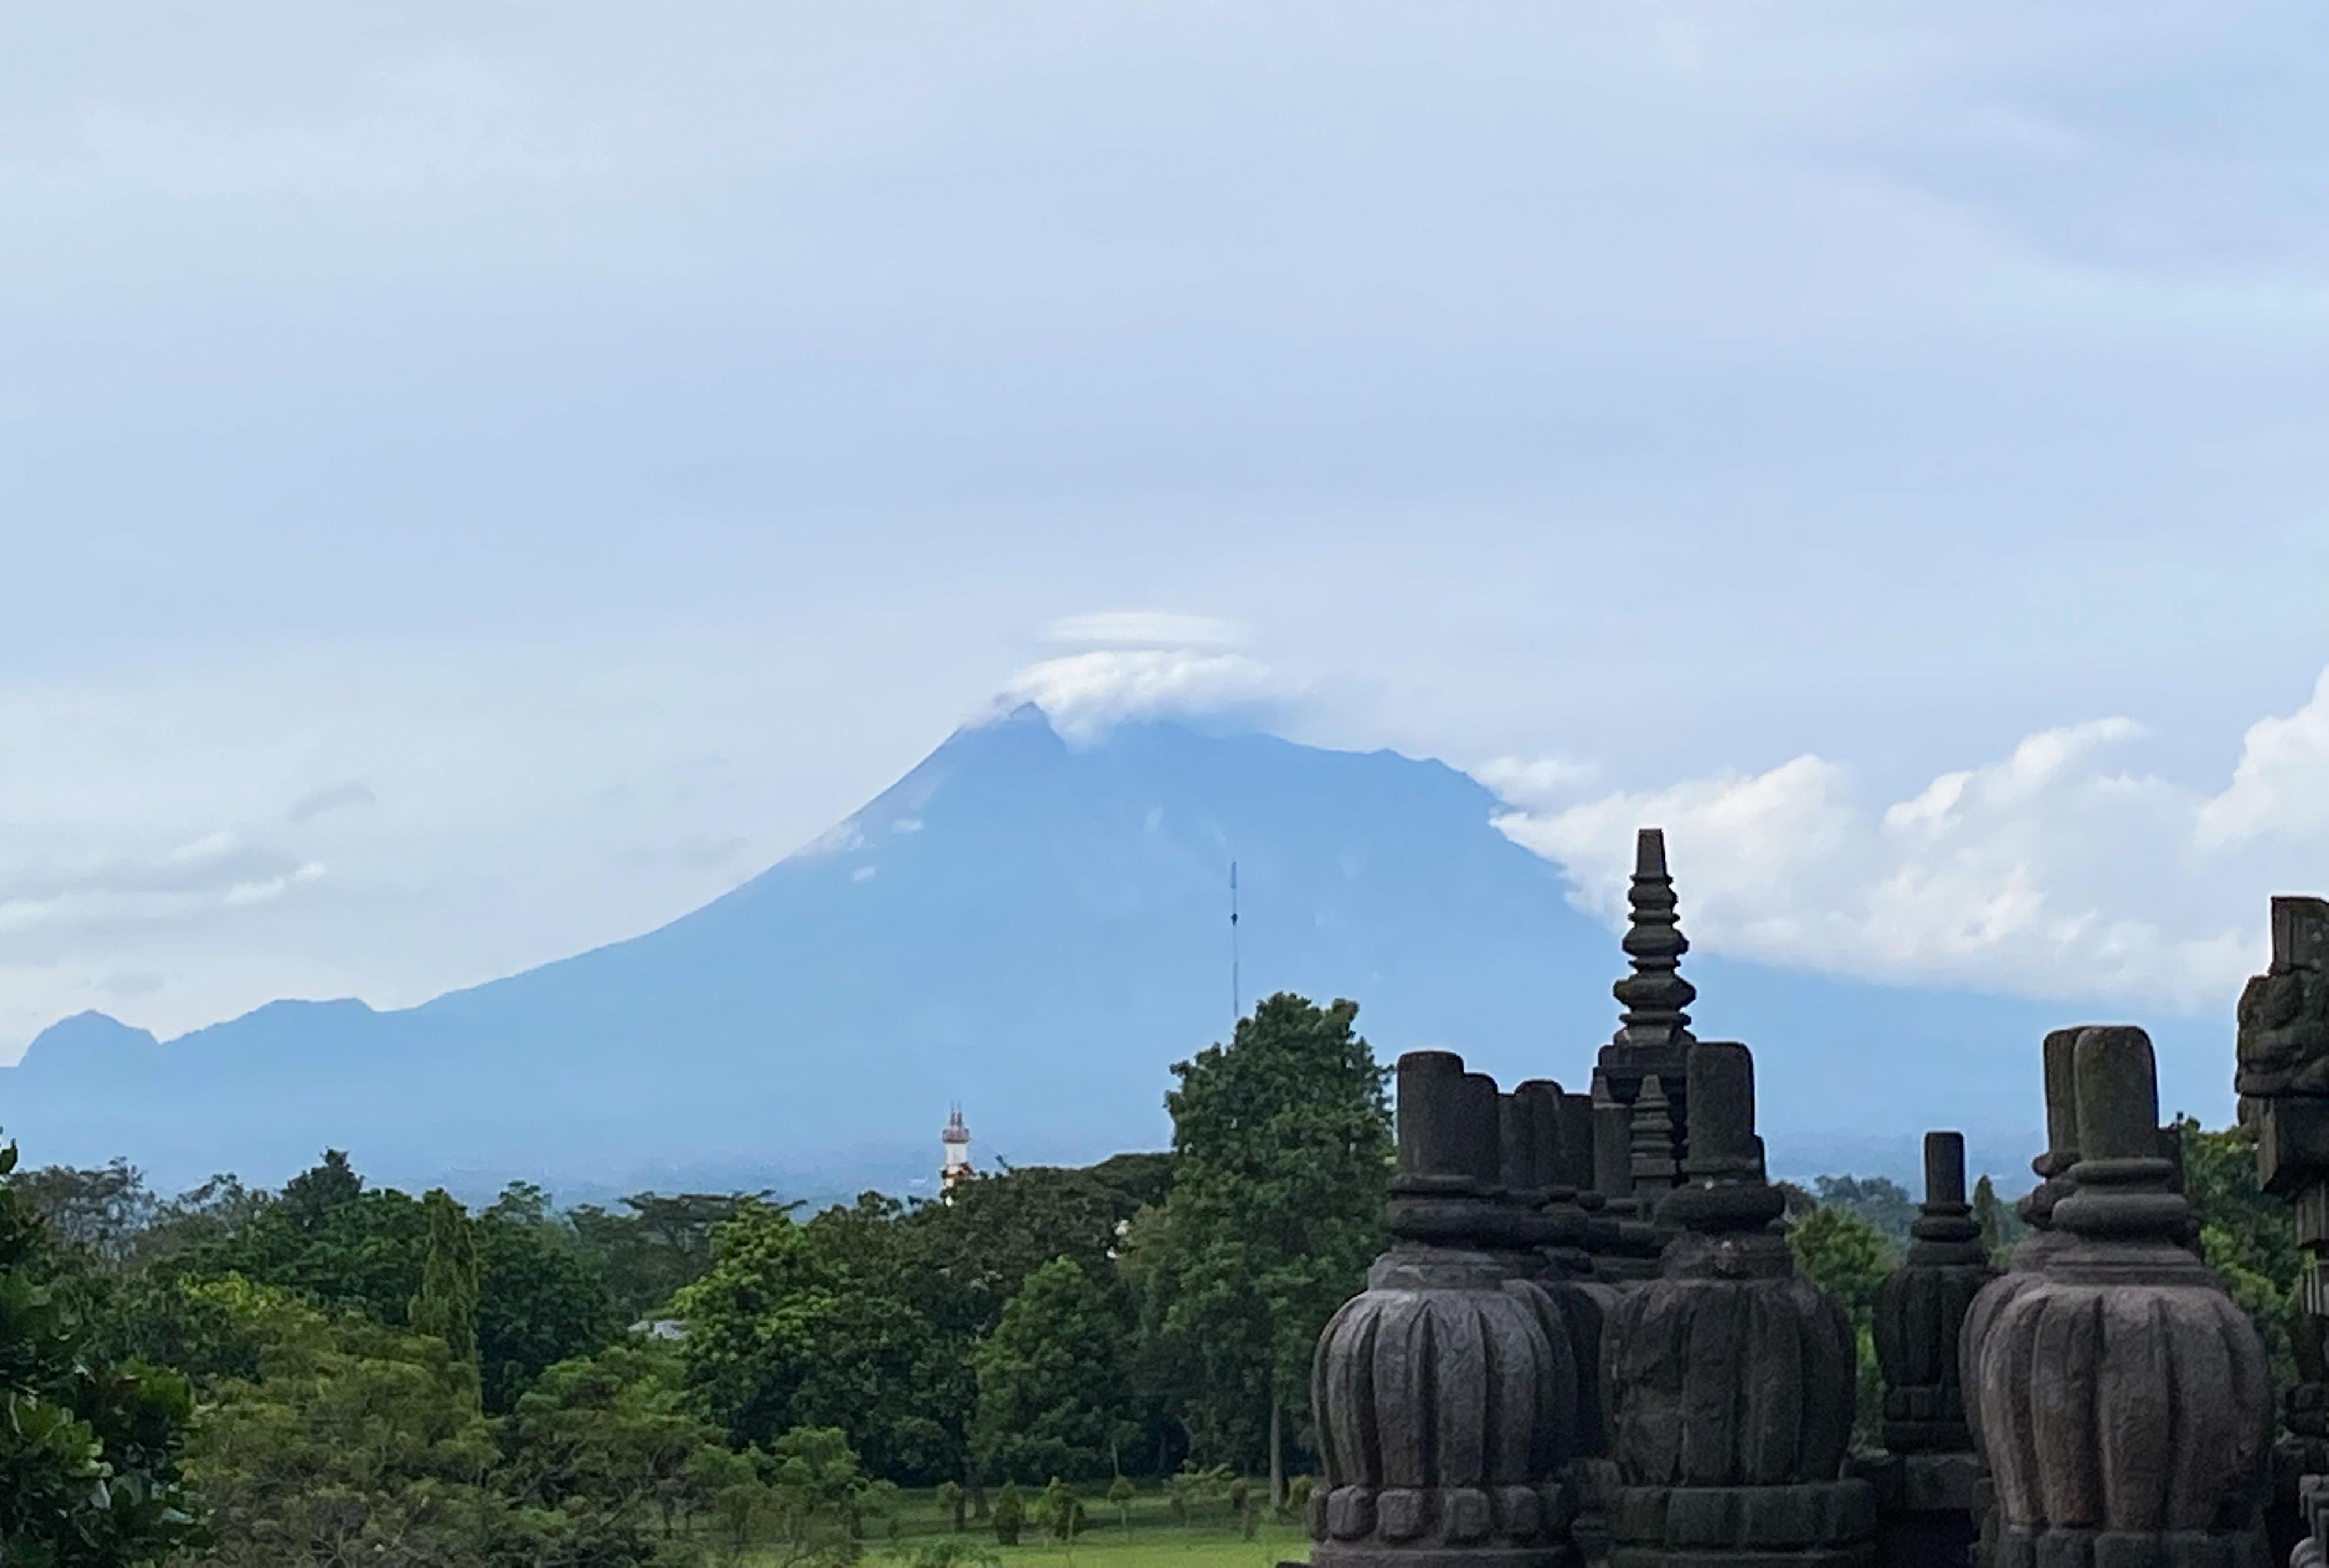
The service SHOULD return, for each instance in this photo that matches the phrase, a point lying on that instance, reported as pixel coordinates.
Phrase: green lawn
(1210, 1540)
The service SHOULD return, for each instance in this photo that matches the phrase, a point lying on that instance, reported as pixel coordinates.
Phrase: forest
(338, 1372)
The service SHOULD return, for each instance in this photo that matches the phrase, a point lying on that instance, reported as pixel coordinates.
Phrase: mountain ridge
(1037, 928)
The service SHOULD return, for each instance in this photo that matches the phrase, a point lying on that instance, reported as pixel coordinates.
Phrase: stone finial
(1922, 1306)
(1578, 1161)
(1945, 1187)
(2053, 1167)
(1479, 1128)
(1516, 1145)
(1430, 1144)
(2122, 1395)
(1724, 1190)
(1553, 1226)
(1613, 1145)
(1624, 1241)
(2123, 1184)
(1655, 994)
(1653, 1140)
(1450, 1154)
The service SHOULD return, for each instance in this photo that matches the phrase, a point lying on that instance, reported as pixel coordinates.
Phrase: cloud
(1086, 694)
(331, 798)
(2057, 870)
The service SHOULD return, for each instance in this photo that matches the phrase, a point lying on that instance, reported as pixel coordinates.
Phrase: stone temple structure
(1588, 1343)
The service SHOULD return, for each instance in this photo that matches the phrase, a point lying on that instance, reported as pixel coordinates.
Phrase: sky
(480, 480)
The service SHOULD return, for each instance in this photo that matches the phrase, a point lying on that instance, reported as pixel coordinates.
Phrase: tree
(1121, 1493)
(539, 1302)
(341, 1244)
(1880, 1200)
(1990, 1215)
(664, 1241)
(1010, 1514)
(819, 1489)
(445, 1304)
(89, 1454)
(1051, 1379)
(805, 1325)
(1282, 1153)
(356, 1442)
(1060, 1510)
(1845, 1256)
(962, 1261)
(311, 1195)
(1849, 1258)
(99, 1215)
(608, 1442)
(2249, 1238)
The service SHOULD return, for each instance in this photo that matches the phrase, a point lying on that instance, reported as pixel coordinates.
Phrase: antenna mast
(1237, 991)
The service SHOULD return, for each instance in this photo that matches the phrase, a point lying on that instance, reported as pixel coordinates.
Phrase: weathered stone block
(2292, 1141)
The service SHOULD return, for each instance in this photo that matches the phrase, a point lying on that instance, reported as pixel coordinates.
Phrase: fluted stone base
(1442, 1527)
(2074, 1548)
(1808, 1524)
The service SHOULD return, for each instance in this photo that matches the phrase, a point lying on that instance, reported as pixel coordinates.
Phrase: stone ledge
(1806, 1513)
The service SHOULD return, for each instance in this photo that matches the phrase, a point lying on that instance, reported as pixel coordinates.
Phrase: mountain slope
(1036, 931)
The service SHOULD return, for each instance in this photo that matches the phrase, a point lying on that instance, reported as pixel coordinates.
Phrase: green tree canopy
(445, 1304)
(89, 1453)
(1054, 1396)
(1282, 1153)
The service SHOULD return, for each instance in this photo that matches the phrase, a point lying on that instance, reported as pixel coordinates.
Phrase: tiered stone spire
(1655, 994)
(1641, 1078)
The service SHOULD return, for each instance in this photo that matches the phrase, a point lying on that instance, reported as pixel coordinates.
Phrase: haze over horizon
(488, 482)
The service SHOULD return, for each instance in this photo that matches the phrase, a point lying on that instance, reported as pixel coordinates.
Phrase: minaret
(956, 1140)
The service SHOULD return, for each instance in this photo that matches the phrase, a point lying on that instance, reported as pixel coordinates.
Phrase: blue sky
(484, 478)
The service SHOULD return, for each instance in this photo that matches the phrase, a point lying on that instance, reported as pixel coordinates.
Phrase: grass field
(1209, 1540)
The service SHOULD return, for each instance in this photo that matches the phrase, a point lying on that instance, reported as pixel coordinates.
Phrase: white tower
(956, 1140)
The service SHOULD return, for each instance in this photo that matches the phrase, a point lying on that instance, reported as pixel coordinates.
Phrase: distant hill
(1036, 931)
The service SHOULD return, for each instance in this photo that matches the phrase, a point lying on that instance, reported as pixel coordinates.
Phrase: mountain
(1033, 930)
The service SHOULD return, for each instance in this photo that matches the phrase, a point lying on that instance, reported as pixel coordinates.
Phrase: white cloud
(1536, 782)
(2056, 872)
(1084, 694)
(2281, 787)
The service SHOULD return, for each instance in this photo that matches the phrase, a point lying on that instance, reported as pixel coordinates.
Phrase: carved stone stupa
(1931, 1474)
(2121, 1396)
(1445, 1396)
(1729, 1378)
